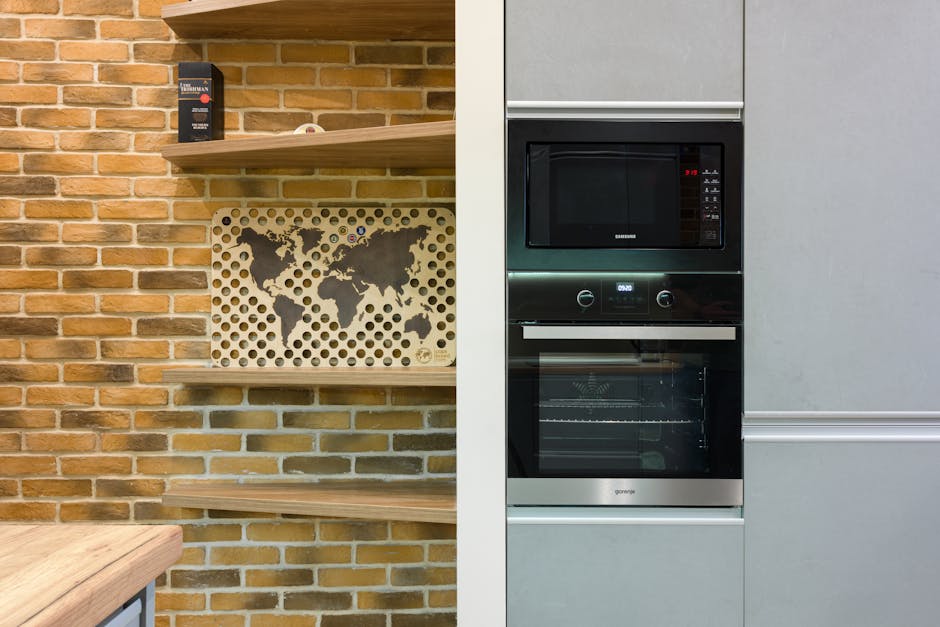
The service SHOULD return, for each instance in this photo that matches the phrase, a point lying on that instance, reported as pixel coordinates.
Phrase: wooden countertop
(77, 575)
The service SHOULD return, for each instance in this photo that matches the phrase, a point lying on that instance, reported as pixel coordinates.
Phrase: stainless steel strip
(633, 492)
(623, 110)
(842, 417)
(540, 332)
(726, 516)
(841, 426)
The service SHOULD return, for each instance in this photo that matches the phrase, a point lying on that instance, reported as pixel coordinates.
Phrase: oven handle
(542, 332)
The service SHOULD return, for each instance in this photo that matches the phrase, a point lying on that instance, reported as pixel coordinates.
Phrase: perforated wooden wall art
(333, 287)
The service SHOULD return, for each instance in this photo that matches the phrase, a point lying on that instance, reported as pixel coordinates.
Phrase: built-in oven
(624, 388)
(624, 195)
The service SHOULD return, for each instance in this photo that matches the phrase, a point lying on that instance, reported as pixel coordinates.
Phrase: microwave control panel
(700, 195)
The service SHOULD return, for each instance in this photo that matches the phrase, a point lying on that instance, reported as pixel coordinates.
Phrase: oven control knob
(585, 298)
(665, 299)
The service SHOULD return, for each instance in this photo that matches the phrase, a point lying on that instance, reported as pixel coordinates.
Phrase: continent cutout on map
(419, 324)
(384, 259)
(266, 263)
(310, 239)
(289, 314)
(345, 296)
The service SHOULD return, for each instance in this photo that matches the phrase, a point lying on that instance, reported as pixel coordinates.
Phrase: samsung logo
(624, 235)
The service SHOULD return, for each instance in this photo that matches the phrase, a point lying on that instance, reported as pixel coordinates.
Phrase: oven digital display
(623, 287)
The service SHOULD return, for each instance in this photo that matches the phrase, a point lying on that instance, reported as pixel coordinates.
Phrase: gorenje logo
(624, 235)
(628, 492)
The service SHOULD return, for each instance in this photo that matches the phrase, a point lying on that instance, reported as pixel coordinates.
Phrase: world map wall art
(349, 287)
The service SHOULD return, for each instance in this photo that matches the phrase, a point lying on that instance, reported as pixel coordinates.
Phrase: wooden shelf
(422, 145)
(66, 574)
(310, 377)
(422, 501)
(313, 19)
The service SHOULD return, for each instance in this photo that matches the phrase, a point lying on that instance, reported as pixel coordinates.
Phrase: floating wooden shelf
(312, 19)
(309, 377)
(422, 501)
(422, 145)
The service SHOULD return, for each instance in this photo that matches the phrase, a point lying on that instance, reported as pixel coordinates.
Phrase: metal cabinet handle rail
(543, 332)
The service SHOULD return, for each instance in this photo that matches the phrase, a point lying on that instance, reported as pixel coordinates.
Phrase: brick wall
(104, 256)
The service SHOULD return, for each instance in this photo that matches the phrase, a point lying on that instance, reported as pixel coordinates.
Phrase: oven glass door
(624, 401)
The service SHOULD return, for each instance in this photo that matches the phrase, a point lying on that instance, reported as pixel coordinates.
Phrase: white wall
(481, 466)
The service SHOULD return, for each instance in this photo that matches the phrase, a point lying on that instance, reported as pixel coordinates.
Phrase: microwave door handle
(545, 332)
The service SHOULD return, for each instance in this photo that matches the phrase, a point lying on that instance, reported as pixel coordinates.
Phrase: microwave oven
(588, 195)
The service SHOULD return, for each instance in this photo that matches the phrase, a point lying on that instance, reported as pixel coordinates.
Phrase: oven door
(624, 415)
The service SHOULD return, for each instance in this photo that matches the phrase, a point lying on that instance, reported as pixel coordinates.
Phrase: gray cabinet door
(643, 573)
(624, 50)
(841, 216)
(842, 533)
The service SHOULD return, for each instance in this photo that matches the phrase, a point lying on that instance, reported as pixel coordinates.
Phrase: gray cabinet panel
(624, 50)
(842, 273)
(649, 575)
(842, 533)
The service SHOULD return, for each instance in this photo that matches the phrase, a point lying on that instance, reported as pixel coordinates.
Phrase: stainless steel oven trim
(633, 492)
(545, 332)
(623, 110)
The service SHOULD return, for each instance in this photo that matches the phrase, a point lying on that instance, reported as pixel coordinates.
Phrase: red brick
(28, 94)
(27, 465)
(94, 510)
(96, 326)
(169, 53)
(103, 372)
(135, 349)
(28, 373)
(61, 349)
(98, 51)
(27, 418)
(59, 73)
(94, 140)
(130, 396)
(134, 256)
(60, 303)
(57, 208)
(27, 511)
(133, 74)
(97, 279)
(95, 186)
(96, 465)
(59, 441)
(134, 303)
(64, 256)
(49, 28)
(59, 395)
(28, 279)
(27, 140)
(131, 209)
(80, 232)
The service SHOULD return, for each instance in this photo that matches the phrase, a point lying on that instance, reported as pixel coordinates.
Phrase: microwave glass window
(624, 195)
(588, 189)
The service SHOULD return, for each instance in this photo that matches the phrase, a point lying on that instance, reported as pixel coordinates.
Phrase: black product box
(201, 102)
